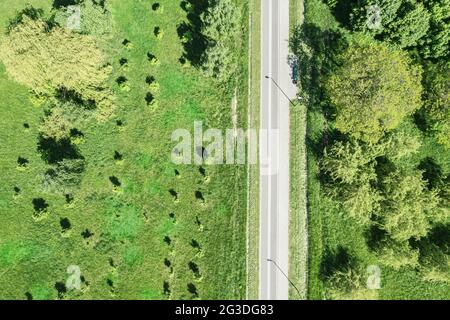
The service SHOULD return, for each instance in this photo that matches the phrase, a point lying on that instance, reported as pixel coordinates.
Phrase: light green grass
(298, 215)
(124, 258)
(298, 220)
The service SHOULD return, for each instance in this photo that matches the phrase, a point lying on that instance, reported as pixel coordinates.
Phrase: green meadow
(137, 226)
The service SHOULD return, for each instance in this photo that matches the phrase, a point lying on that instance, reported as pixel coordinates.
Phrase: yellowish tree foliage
(410, 208)
(55, 126)
(46, 59)
(397, 254)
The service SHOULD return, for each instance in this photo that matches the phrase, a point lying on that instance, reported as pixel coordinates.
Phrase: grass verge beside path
(298, 220)
(254, 73)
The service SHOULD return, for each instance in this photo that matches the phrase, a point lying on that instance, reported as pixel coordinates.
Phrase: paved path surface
(274, 150)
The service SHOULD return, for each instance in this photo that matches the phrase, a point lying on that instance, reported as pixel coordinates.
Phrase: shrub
(64, 176)
(396, 254)
(221, 24)
(96, 19)
(55, 126)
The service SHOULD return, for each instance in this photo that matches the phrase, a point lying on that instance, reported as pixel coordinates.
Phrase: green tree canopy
(360, 14)
(437, 101)
(396, 254)
(409, 207)
(411, 24)
(407, 23)
(95, 18)
(373, 89)
(436, 42)
(351, 168)
(435, 255)
(64, 176)
(402, 142)
(345, 162)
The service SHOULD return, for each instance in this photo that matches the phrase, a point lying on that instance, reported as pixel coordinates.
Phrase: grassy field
(328, 227)
(159, 231)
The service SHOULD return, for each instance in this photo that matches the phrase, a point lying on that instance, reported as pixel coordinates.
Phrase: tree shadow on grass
(53, 151)
(315, 65)
(39, 204)
(115, 181)
(336, 260)
(192, 289)
(440, 236)
(67, 95)
(195, 42)
(58, 4)
(325, 138)
(374, 237)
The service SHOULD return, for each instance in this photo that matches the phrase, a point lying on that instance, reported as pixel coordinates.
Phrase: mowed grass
(254, 62)
(298, 229)
(151, 236)
(328, 226)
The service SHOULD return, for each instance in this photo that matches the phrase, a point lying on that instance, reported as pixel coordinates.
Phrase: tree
(345, 282)
(411, 24)
(77, 114)
(29, 12)
(435, 255)
(408, 23)
(359, 17)
(345, 162)
(409, 207)
(403, 22)
(221, 24)
(437, 101)
(434, 262)
(361, 202)
(436, 42)
(396, 254)
(442, 213)
(351, 168)
(46, 58)
(55, 126)
(373, 89)
(343, 274)
(400, 143)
